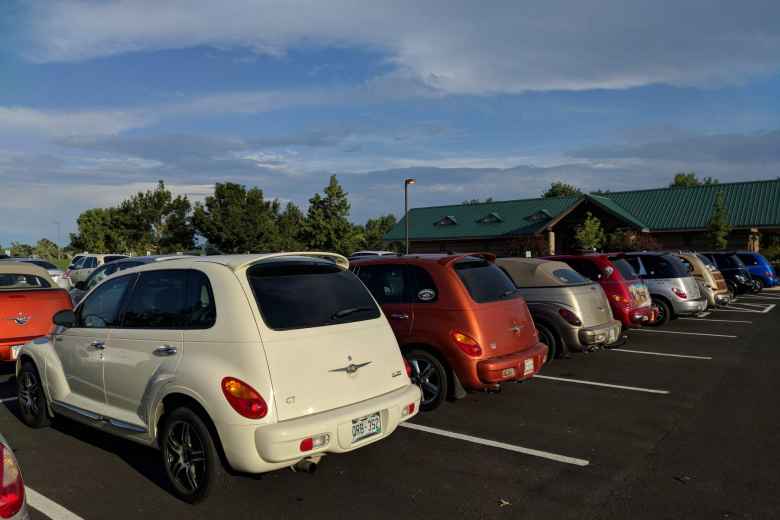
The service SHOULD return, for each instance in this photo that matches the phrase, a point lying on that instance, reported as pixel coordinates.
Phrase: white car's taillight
(11, 484)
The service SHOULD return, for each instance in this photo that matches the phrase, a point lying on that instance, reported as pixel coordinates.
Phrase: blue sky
(99, 99)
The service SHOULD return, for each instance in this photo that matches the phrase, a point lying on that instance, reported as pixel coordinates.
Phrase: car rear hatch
(27, 314)
(691, 287)
(499, 319)
(325, 340)
(592, 304)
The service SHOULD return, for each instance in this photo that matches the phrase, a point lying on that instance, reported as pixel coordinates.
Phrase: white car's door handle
(165, 350)
(98, 345)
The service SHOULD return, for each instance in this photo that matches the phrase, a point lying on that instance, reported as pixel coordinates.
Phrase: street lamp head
(410, 181)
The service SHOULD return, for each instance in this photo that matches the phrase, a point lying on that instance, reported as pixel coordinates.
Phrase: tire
(547, 336)
(190, 456)
(664, 313)
(32, 399)
(431, 376)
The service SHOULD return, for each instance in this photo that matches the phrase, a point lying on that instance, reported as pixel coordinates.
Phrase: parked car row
(271, 361)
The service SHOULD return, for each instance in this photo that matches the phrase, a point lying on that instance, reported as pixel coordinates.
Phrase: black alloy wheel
(32, 400)
(663, 313)
(430, 375)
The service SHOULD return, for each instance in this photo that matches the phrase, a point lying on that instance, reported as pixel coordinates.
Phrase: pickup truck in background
(29, 298)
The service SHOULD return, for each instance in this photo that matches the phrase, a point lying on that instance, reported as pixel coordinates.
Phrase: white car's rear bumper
(265, 448)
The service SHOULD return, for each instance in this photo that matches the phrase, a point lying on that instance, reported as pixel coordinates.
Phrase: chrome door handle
(98, 345)
(399, 316)
(165, 350)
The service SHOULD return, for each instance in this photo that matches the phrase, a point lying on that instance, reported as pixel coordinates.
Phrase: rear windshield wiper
(343, 313)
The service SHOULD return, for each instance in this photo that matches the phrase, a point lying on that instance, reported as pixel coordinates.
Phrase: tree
(719, 228)
(689, 179)
(237, 220)
(20, 249)
(628, 240)
(290, 225)
(561, 189)
(47, 249)
(375, 230)
(590, 235)
(476, 201)
(99, 231)
(327, 227)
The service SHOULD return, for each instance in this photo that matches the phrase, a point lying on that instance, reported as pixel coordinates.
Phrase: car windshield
(15, 282)
(295, 294)
(484, 281)
(729, 262)
(624, 268)
(748, 259)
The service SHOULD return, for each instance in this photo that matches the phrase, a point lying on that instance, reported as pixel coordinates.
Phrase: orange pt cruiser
(458, 319)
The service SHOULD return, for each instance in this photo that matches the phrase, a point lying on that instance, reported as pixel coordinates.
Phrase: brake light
(244, 399)
(680, 293)
(408, 367)
(618, 298)
(466, 343)
(407, 410)
(569, 316)
(11, 484)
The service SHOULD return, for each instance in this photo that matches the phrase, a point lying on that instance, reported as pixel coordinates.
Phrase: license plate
(508, 372)
(366, 427)
(528, 367)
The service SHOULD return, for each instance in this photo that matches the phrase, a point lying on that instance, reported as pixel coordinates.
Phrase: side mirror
(66, 318)
(81, 286)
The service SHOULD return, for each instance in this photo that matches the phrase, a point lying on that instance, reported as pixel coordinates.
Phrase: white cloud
(70, 123)
(461, 47)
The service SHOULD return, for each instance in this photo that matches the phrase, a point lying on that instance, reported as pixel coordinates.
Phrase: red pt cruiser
(458, 319)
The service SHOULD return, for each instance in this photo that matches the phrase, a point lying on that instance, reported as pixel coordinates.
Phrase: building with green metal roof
(669, 218)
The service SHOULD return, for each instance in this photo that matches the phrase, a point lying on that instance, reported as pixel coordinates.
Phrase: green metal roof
(517, 217)
(749, 204)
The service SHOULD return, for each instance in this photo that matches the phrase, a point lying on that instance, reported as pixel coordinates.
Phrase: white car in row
(271, 360)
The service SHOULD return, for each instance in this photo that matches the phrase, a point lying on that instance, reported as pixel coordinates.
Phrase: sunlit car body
(570, 311)
(13, 503)
(28, 300)
(55, 272)
(106, 270)
(271, 359)
(674, 291)
(760, 269)
(710, 280)
(459, 320)
(88, 263)
(627, 293)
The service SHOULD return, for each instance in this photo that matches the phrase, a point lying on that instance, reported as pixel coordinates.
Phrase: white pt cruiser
(263, 361)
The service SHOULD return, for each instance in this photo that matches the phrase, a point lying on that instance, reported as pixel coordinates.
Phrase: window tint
(386, 282)
(112, 258)
(636, 265)
(90, 262)
(424, 289)
(728, 262)
(76, 260)
(16, 282)
(586, 268)
(664, 266)
(484, 281)
(570, 276)
(624, 268)
(687, 264)
(295, 294)
(103, 306)
(41, 263)
(748, 259)
(97, 276)
(706, 260)
(175, 299)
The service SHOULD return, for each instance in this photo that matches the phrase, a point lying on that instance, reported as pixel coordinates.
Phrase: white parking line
(684, 333)
(48, 507)
(594, 383)
(712, 319)
(761, 297)
(660, 354)
(496, 444)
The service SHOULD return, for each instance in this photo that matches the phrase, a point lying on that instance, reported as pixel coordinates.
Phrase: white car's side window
(101, 309)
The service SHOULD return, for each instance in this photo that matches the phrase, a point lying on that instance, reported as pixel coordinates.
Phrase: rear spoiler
(336, 258)
(490, 257)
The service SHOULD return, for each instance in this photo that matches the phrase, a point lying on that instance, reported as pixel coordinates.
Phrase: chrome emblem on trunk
(352, 367)
(20, 319)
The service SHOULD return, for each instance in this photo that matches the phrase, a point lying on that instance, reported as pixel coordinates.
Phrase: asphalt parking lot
(680, 423)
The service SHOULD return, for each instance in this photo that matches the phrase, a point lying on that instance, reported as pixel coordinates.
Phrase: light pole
(407, 182)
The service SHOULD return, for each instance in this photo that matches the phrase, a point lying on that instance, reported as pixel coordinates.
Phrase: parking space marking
(686, 356)
(761, 297)
(607, 385)
(713, 319)
(495, 444)
(48, 507)
(685, 333)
